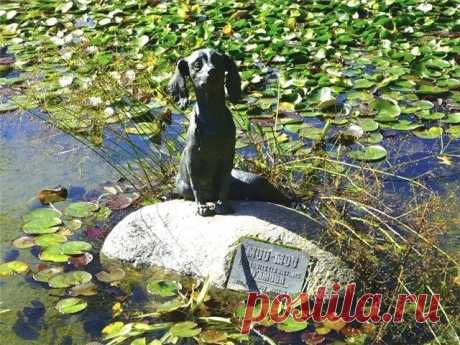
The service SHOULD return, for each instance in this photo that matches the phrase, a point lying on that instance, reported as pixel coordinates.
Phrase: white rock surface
(170, 235)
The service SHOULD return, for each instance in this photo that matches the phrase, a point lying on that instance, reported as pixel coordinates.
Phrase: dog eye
(197, 65)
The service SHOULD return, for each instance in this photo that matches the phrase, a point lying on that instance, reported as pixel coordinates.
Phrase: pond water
(34, 155)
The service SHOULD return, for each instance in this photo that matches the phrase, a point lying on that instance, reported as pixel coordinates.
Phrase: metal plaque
(264, 267)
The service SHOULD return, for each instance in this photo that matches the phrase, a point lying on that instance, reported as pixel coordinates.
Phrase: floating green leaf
(172, 305)
(80, 209)
(428, 115)
(312, 133)
(363, 84)
(114, 275)
(47, 240)
(369, 153)
(71, 305)
(430, 133)
(45, 275)
(138, 341)
(41, 213)
(387, 109)
(24, 242)
(11, 267)
(453, 118)
(7, 107)
(85, 289)
(368, 125)
(53, 254)
(450, 83)
(454, 132)
(185, 329)
(42, 226)
(64, 280)
(145, 128)
(75, 247)
(73, 225)
(163, 288)
(431, 90)
(290, 325)
(372, 138)
(103, 213)
(405, 125)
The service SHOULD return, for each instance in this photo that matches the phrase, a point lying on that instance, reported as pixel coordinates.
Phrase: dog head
(209, 71)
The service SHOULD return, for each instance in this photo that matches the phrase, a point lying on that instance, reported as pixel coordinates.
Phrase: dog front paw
(205, 210)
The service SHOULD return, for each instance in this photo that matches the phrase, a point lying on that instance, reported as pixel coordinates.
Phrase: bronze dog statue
(206, 171)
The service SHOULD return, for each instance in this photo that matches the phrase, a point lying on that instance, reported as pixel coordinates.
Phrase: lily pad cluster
(57, 234)
(342, 62)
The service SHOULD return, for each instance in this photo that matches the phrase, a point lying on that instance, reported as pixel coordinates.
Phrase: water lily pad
(7, 107)
(363, 96)
(45, 275)
(454, 132)
(185, 329)
(293, 127)
(64, 280)
(212, 336)
(71, 305)
(363, 84)
(172, 305)
(431, 90)
(312, 133)
(103, 213)
(24, 242)
(430, 133)
(418, 105)
(73, 225)
(368, 125)
(112, 276)
(450, 83)
(145, 128)
(85, 289)
(42, 213)
(42, 226)
(53, 254)
(369, 153)
(80, 209)
(453, 118)
(430, 116)
(11, 267)
(47, 240)
(290, 325)
(387, 109)
(405, 125)
(372, 138)
(75, 247)
(163, 288)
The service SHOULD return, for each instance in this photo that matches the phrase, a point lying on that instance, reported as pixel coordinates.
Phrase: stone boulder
(171, 236)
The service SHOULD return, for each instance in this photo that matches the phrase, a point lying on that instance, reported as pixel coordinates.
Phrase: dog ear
(177, 86)
(233, 80)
